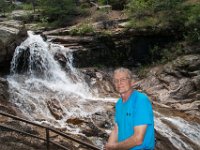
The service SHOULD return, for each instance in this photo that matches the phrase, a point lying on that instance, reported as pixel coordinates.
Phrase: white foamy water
(37, 79)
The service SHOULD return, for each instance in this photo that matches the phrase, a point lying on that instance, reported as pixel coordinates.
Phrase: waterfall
(38, 82)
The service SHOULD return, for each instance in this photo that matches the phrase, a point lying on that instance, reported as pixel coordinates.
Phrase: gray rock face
(12, 34)
(176, 84)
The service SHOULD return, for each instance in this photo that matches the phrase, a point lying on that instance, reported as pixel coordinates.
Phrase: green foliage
(178, 14)
(193, 14)
(154, 54)
(142, 23)
(82, 29)
(103, 2)
(192, 21)
(56, 10)
(141, 8)
(169, 54)
(160, 55)
(26, 6)
(5, 6)
(142, 71)
(193, 35)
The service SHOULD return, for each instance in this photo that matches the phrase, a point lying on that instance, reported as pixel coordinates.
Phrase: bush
(180, 16)
(143, 23)
(82, 29)
(54, 10)
(192, 21)
(164, 11)
(27, 7)
(5, 7)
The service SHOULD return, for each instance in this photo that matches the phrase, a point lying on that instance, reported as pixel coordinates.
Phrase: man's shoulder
(141, 94)
(142, 98)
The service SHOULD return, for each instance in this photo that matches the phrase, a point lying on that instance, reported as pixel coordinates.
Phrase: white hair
(122, 69)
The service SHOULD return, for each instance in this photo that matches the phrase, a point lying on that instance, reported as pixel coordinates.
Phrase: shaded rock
(121, 47)
(4, 95)
(109, 24)
(75, 121)
(196, 81)
(12, 33)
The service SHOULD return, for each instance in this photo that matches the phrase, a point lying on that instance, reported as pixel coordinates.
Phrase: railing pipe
(47, 138)
(76, 140)
(47, 132)
(21, 119)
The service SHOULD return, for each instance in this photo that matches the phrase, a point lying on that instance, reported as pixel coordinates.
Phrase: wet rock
(55, 108)
(75, 121)
(99, 81)
(102, 120)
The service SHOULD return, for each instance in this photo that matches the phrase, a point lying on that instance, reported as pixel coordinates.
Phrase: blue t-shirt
(137, 110)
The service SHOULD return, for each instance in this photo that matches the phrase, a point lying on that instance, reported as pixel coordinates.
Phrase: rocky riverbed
(172, 87)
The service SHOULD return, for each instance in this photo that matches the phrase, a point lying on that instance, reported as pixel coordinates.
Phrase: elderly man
(134, 124)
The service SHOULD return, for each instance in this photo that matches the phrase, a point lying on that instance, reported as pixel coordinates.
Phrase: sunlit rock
(175, 84)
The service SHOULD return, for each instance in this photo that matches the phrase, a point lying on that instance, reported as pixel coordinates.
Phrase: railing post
(47, 138)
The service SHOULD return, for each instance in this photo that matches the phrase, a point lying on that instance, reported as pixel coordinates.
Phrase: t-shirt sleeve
(143, 111)
(116, 115)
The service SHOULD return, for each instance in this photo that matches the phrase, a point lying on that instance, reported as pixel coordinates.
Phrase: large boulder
(12, 33)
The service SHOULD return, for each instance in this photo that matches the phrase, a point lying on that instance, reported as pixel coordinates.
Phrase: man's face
(122, 82)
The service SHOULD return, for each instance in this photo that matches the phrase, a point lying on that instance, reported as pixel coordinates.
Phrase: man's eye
(124, 79)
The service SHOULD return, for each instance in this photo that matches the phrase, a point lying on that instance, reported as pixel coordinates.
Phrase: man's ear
(132, 82)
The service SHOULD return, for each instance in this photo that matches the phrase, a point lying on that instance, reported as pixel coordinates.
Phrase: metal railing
(47, 131)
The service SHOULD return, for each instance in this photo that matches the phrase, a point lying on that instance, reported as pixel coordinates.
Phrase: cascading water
(45, 93)
(37, 82)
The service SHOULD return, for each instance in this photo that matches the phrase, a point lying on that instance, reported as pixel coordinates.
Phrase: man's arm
(112, 140)
(114, 135)
(135, 140)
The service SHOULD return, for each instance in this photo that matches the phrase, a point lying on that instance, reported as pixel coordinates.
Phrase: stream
(37, 83)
